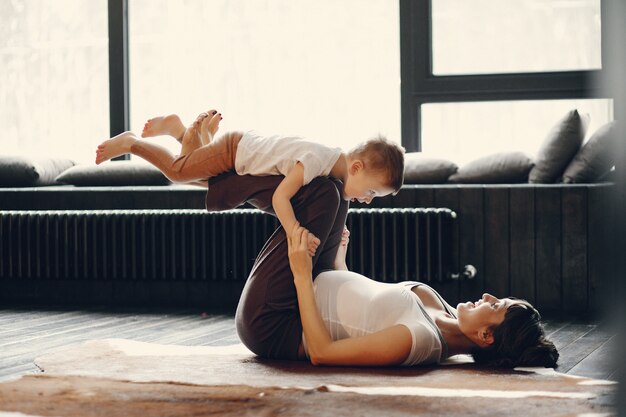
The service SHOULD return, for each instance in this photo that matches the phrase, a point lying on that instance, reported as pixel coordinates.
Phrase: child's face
(363, 185)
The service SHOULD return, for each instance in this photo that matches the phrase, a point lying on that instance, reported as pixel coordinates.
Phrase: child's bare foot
(191, 139)
(164, 125)
(209, 126)
(116, 146)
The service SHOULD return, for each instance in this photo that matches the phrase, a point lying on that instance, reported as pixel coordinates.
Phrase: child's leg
(200, 164)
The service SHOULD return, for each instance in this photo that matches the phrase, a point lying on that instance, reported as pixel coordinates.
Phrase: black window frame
(119, 101)
(420, 86)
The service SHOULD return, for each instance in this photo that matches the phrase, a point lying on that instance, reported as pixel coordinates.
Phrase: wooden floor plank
(599, 364)
(12, 320)
(570, 333)
(551, 326)
(575, 352)
(24, 331)
(117, 329)
(136, 329)
(86, 324)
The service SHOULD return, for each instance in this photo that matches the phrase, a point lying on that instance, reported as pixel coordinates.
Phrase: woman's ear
(485, 336)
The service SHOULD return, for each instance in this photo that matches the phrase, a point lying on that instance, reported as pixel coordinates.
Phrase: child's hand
(312, 243)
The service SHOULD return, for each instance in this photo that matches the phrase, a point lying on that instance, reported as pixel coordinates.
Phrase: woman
(297, 307)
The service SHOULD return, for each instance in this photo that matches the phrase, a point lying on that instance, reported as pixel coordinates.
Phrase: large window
(483, 76)
(325, 69)
(54, 99)
(465, 131)
(508, 36)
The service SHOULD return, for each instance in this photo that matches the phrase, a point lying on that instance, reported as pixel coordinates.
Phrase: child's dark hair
(518, 341)
(381, 154)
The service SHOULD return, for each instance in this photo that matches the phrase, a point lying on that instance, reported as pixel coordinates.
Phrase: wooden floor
(587, 347)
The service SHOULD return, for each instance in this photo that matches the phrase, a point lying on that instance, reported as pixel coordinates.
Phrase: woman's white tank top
(352, 305)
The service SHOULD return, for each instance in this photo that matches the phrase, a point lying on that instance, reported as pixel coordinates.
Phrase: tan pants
(205, 162)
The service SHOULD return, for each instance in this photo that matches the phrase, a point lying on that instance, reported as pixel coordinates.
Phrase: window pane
(466, 131)
(506, 36)
(54, 99)
(325, 69)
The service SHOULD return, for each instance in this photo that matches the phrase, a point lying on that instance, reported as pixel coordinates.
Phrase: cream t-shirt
(276, 155)
(352, 305)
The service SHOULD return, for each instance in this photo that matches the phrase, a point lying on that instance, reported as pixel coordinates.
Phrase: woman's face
(477, 318)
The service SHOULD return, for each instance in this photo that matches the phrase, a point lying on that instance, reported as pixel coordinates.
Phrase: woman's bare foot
(209, 126)
(116, 146)
(164, 125)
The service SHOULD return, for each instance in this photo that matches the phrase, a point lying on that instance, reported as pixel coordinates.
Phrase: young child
(374, 168)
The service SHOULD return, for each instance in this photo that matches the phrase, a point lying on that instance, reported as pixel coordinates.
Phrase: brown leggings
(204, 162)
(267, 318)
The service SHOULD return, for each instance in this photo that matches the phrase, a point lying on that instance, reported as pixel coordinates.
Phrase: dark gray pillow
(595, 159)
(423, 169)
(22, 171)
(498, 168)
(559, 147)
(113, 173)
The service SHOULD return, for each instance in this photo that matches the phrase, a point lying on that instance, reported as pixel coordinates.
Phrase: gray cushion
(423, 169)
(498, 168)
(559, 147)
(595, 159)
(22, 171)
(113, 173)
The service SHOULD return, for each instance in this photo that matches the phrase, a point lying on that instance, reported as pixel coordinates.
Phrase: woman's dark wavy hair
(518, 341)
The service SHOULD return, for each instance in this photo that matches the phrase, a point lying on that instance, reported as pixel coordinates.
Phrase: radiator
(386, 244)
(392, 245)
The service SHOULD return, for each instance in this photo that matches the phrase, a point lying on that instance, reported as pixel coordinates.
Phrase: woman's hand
(299, 255)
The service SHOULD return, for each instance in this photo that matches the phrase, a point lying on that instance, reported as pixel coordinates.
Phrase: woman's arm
(390, 346)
